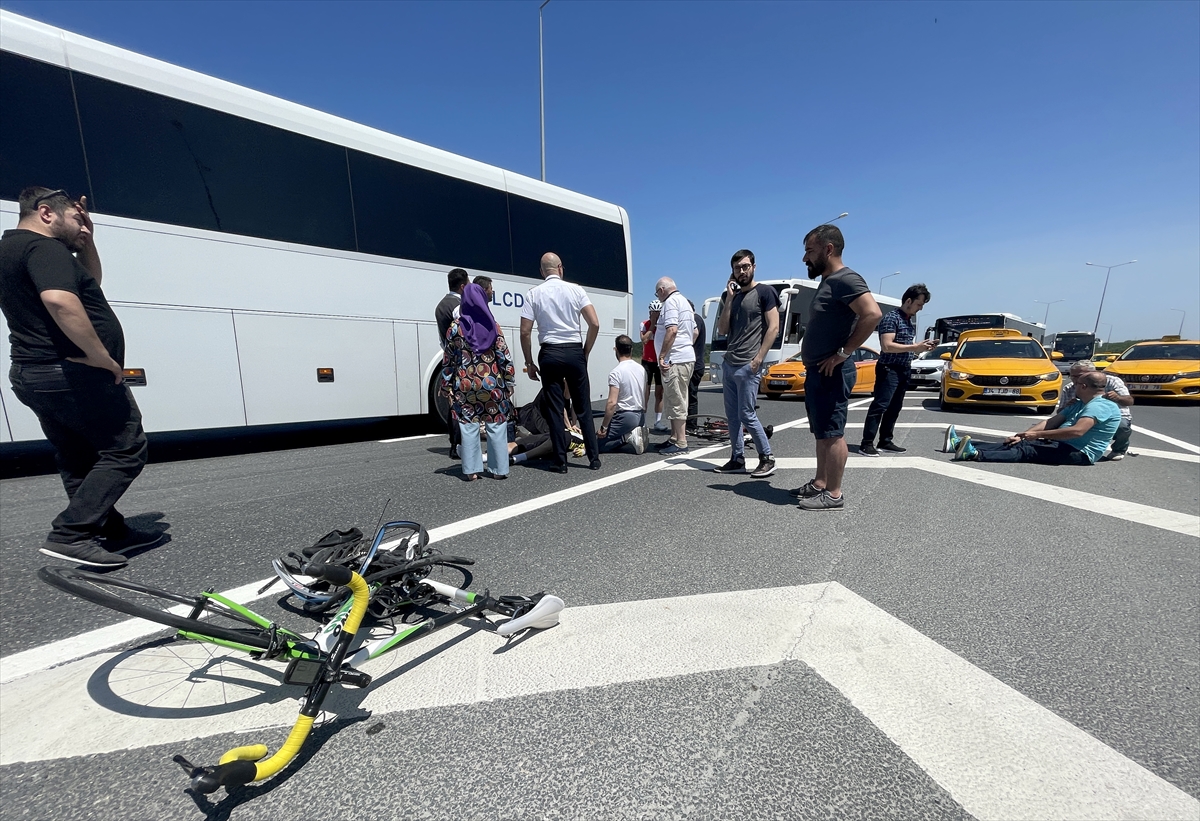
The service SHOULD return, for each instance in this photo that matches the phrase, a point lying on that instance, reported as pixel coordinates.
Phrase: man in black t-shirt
(843, 315)
(68, 351)
(445, 313)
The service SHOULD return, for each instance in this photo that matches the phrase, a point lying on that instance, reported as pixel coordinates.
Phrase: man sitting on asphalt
(1076, 435)
(1114, 389)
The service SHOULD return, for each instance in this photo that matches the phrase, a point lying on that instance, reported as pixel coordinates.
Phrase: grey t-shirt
(747, 323)
(832, 319)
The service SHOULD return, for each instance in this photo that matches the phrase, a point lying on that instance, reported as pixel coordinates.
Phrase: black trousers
(566, 363)
(694, 389)
(99, 445)
(891, 383)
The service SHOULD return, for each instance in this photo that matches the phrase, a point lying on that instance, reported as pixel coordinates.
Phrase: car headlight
(1188, 375)
(962, 376)
(1050, 377)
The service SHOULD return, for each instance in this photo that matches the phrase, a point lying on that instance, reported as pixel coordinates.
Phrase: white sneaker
(638, 441)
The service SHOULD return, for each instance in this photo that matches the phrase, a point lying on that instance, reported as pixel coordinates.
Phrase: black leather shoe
(558, 468)
(594, 464)
(454, 451)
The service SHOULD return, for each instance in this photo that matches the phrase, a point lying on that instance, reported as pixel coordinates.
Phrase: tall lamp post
(542, 87)
(1105, 291)
(1107, 334)
(1181, 320)
(1046, 318)
(835, 219)
(889, 276)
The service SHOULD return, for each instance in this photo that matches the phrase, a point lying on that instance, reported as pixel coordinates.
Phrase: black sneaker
(732, 466)
(594, 464)
(664, 444)
(86, 552)
(806, 491)
(867, 449)
(766, 466)
(769, 430)
(131, 540)
(454, 452)
(892, 447)
(823, 501)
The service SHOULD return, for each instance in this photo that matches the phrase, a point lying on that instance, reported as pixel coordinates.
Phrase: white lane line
(997, 752)
(410, 438)
(16, 665)
(1188, 446)
(1157, 517)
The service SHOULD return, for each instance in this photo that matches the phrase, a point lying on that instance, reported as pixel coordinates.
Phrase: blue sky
(986, 149)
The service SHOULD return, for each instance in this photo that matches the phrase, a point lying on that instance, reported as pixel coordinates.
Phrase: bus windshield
(1075, 346)
(1001, 349)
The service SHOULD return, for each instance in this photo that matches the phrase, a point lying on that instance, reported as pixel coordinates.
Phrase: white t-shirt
(629, 378)
(554, 306)
(677, 312)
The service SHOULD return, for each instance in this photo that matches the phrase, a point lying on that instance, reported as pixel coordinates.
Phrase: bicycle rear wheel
(193, 614)
(710, 428)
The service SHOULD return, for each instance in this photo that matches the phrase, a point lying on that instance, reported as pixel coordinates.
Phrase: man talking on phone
(749, 315)
(68, 351)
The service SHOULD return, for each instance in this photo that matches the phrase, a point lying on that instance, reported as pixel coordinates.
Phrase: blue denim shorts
(826, 398)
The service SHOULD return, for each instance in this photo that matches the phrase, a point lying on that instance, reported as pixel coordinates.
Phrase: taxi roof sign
(990, 333)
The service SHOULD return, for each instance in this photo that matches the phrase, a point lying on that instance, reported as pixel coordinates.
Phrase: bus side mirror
(708, 302)
(947, 356)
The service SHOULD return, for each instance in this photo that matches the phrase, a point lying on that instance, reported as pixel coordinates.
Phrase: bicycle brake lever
(188, 767)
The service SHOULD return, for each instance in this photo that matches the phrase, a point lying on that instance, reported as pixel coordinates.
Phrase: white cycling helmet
(655, 305)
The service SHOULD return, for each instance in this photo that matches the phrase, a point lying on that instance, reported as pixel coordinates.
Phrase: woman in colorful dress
(479, 375)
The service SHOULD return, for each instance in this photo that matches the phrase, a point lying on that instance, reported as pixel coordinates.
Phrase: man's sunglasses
(59, 193)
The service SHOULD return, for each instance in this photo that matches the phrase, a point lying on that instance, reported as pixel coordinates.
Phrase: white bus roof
(59, 47)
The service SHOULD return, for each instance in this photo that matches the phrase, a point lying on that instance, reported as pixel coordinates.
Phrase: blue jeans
(740, 387)
(471, 452)
(622, 424)
(1041, 453)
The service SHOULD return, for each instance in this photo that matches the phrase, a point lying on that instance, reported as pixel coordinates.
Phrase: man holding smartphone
(749, 316)
(68, 352)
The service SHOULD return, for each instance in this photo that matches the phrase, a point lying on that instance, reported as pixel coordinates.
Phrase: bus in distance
(273, 264)
(1075, 346)
(948, 328)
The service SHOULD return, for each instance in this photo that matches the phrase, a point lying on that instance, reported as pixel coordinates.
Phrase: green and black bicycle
(396, 580)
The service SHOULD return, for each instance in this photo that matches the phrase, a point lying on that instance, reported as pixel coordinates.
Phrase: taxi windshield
(1001, 349)
(1162, 352)
(936, 353)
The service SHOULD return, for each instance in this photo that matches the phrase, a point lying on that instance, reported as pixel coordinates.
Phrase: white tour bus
(273, 264)
(795, 311)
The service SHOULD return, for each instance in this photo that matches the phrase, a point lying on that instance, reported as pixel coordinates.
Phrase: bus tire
(439, 405)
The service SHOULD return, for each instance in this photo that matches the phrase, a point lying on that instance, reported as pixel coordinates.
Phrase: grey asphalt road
(1094, 617)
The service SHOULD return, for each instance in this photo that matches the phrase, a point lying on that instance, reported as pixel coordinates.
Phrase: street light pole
(1105, 291)
(835, 219)
(889, 276)
(1181, 320)
(1046, 318)
(1108, 333)
(542, 88)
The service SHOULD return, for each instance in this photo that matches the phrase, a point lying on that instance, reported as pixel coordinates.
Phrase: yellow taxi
(787, 378)
(1169, 368)
(1103, 360)
(1000, 367)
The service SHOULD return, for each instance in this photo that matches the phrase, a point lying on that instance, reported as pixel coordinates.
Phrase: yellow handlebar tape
(252, 752)
(359, 609)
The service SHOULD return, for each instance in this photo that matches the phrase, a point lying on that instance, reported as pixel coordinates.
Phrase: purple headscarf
(476, 322)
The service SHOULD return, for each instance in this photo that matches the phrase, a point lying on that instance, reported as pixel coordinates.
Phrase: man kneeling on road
(624, 413)
(1076, 435)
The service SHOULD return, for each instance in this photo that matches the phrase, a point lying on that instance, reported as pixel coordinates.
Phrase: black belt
(562, 344)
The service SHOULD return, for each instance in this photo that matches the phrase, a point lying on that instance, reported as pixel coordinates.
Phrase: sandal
(470, 477)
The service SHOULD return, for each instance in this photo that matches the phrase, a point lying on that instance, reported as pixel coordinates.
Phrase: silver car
(926, 369)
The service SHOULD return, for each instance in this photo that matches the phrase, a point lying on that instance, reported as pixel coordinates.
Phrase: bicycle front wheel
(193, 614)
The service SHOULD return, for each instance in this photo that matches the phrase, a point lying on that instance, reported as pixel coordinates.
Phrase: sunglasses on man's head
(59, 193)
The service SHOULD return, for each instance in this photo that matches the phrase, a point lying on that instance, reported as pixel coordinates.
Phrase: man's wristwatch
(842, 353)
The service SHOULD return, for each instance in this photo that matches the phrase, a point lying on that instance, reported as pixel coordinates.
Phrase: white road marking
(410, 438)
(995, 751)
(1170, 441)
(1161, 518)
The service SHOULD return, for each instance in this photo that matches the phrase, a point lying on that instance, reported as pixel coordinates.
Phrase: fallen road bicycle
(391, 582)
